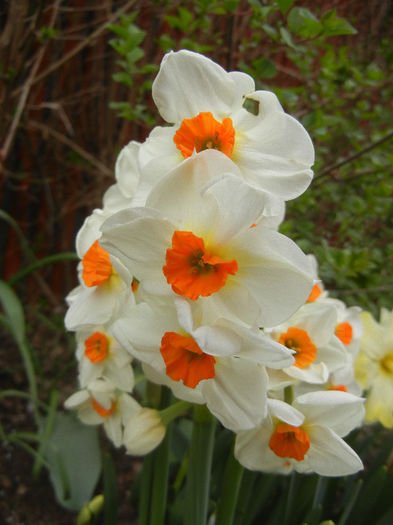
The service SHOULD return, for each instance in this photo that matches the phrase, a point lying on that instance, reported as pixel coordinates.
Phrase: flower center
(289, 442)
(205, 132)
(97, 266)
(315, 293)
(299, 340)
(341, 388)
(344, 332)
(192, 270)
(103, 412)
(387, 364)
(185, 360)
(96, 347)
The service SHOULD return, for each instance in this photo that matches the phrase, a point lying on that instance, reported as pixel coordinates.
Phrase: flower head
(374, 366)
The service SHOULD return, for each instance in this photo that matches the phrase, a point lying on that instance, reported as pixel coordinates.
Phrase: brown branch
(25, 90)
(352, 157)
(73, 145)
(83, 44)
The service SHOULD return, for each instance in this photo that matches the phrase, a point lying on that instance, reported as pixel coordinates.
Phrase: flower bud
(143, 432)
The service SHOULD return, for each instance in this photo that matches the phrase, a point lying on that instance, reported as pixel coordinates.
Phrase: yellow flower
(374, 366)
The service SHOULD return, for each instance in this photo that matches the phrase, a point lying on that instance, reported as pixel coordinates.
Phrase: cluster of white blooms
(184, 270)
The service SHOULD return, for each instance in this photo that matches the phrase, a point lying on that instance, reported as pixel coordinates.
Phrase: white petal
(252, 450)
(89, 232)
(92, 306)
(237, 393)
(217, 340)
(114, 200)
(123, 377)
(260, 348)
(284, 412)
(179, 195)
(240, 206)
(140, 238)
(275, 271)
(76, 399)
(315, 373)
(189, 83)
(127, 169)
(329, 455)
(113, 428)
(141, 332)
(340, 411)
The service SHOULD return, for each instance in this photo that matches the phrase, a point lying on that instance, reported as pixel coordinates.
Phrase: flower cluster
(183, 270)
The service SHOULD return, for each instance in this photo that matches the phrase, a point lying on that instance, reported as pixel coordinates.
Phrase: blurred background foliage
(75, 87)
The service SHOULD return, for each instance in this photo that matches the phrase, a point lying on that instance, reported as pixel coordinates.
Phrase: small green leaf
(303, 22)
(332, 25)
(287, 37)
(13, 310)
(285, 5)
(265, 68)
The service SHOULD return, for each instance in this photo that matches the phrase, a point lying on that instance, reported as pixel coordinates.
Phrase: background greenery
(75, 87)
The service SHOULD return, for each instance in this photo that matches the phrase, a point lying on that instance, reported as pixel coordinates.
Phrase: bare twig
(73, 145)
(352, 157)
(26, 90)
(83, 44)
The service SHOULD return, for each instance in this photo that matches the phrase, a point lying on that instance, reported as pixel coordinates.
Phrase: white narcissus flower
(305, 437)
(101, 403)
(310, 333)
(374, 366)
(105, 287)
(143, 432)
(205, 105)
(220, 364)
(204, 237)
(100, 355)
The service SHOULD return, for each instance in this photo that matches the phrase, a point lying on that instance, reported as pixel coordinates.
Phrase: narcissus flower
(105, 282)
(305, 437)
(219, 363)
(100, 355)
(202, 236)
(318, 352)
(205, 105)
(374, 366)
(102, 403)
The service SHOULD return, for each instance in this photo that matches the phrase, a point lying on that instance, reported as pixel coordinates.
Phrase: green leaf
(265, 67)
(332, 25)
(74, 459)
(303, 23)
(13, 310)
(287, 37)
(285, 5)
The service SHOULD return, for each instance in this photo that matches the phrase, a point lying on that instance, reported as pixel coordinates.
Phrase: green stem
(172, 412)
(230, 491)
(160, 480)
(351, 503)
(51, 259)
(288, 394)
(290, 499)
(319, 491)
(26, 354)
(146, 484)
(110, 490)
(199, 466)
